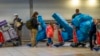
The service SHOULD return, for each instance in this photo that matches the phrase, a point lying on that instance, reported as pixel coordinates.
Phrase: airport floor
(43, 50)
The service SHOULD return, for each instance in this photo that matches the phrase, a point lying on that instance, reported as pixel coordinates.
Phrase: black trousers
(19, 39)
(92, 40)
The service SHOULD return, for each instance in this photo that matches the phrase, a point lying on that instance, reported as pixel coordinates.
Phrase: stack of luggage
(7, 34)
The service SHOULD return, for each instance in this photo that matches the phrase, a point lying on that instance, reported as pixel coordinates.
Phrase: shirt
(18, 24)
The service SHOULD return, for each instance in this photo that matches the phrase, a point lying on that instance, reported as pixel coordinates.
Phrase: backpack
(29, 24)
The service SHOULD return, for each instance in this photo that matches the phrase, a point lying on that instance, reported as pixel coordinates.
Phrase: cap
(15, 14)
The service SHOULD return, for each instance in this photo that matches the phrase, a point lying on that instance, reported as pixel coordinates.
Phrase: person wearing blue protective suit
(77, 12)
(92, 35)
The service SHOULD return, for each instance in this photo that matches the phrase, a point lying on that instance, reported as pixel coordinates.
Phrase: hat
(15, 14)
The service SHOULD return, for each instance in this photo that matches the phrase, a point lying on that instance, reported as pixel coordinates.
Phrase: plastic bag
(63, 23)
(81, 36)
(85, 27)
(42, 22)
(41, 35)
(65, 36)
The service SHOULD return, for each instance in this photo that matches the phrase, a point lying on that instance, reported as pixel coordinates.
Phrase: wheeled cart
(7, 34)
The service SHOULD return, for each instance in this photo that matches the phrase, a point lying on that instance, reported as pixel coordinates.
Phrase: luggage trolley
(9, 34)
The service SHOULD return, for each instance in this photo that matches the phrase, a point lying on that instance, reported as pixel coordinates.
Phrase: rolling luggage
(1, 38)
(12, 33)
(8, 34)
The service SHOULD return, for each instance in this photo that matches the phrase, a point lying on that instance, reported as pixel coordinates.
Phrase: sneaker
(96, 48)
(30, 45)
(1, 45)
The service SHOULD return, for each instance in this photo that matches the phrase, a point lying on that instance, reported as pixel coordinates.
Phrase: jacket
(49, 31)
(18, 20)
(34, 23)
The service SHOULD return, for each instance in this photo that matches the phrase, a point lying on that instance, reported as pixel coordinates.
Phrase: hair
(35, 14)
(52, 24)
(77, 10)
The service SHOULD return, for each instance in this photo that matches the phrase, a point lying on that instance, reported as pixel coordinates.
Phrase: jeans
(50, 41)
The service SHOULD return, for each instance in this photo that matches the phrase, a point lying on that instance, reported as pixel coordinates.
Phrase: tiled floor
(46, 51)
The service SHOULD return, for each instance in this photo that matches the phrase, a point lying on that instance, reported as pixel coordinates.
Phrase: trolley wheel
(73, 45)
(15, 43)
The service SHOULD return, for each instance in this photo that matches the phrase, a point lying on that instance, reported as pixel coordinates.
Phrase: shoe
(57, 45)
(47, 44)
(74, 45)
(83, 45)
(96, 48)
(30, 45)
(1, 45)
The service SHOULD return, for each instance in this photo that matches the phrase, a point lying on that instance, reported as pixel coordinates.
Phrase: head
(77, 11)
(35, 14)
(51, 24)
(95, 21)
(16, 15)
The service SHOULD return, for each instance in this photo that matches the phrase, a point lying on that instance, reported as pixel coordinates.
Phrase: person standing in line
(34, 29)
(55, 36)
(98, 34)
(50, 33)
(92, 35)
(77, 12)
(18, 27)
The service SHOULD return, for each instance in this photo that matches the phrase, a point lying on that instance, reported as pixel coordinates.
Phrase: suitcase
(9, 37)
(6, 36)
(12, 33)
(3, 22)
(8, 33)
(1, 38)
